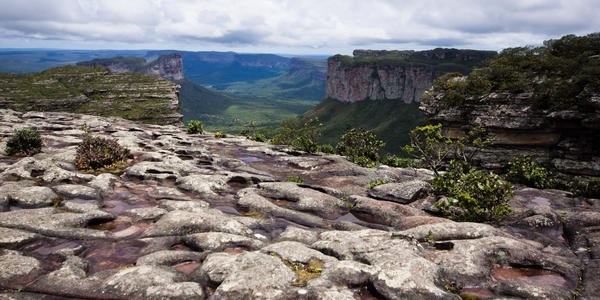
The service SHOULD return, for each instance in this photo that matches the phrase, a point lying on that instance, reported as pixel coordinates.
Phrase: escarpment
(169, 66)
(394, 75)
(93, 90)
(566, 139)
(542, 102)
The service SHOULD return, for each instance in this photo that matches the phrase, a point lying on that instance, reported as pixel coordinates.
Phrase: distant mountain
(169, 66)
(95, 91)
(213, 68)
(305, 79)
(37, 60)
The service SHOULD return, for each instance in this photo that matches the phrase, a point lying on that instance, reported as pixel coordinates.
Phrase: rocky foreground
(198, 217)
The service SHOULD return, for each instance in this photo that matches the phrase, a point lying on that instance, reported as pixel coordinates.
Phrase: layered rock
(195, 217)
(93, 90)
(394, 75)
(564, 139)
(169, 66)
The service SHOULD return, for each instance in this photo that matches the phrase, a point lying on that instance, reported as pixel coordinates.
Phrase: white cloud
(318, 26)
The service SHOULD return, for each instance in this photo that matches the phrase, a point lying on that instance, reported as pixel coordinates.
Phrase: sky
(294, 27)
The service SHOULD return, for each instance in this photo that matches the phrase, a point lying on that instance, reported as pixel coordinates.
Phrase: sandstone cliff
(169, 66)
(564, 139)
(394, 75)
(93, 90)
(543, 102)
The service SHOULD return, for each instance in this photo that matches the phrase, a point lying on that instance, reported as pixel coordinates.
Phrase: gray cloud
(317, 26)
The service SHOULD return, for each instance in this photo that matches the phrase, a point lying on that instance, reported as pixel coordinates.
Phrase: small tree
(428, 144)
(360, 146)
(303, 137)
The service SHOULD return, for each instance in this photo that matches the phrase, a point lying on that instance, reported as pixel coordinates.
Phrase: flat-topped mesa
(93, 90)
(169, 66)
(394, 75)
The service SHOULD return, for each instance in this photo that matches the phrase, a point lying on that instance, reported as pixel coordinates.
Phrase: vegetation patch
(295, 179)
(100, 155)
(360, 146)
(375, 183)
(560, 74)
(195, 127)
(24, 142)
(302, 137)
(304, 272)
(472, 195)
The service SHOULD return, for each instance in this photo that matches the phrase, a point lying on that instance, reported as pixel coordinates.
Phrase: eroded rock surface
(196, 217)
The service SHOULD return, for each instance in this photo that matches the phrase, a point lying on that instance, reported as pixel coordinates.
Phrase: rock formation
(169, 66)
(93, 90)
(194, 217)
(564, 139)
(394, 75)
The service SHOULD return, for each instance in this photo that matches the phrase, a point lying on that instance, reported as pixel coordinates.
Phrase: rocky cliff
(564, 139)
(169, 66)
(542, 102)
(394, 75)
(93, 90)
(196, 217)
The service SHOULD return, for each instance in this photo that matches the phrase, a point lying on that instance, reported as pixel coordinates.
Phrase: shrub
(526, 171)
(259, 137)
(428, 144)
(375, 183)
(96, 152)
(399, 162)
(472, 195)
(360, 146)
(295, 179)
(195, 126)
(301, 137)
(220, 135)
(24, 141)
(589, 188)
(327, 149)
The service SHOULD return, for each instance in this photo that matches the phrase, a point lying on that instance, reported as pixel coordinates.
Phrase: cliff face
(564, 139)
(93, 90)
(377, 82)
(394, 75)
(169, 66)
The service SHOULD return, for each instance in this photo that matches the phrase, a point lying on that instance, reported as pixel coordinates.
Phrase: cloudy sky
(296, 26)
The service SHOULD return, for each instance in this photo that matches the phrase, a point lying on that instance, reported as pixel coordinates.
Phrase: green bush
(301, 137)
(25, 142)
(525, 170)
(195, 126)
(96, 152)
(327, 149)
(259, 137)
(589, 188)
(375, 183)
(472, 195)
(295, 179)
(428, 144)
(399, 162)
(360, 146)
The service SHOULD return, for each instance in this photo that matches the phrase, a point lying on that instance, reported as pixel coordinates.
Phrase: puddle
(46, 247)
(478, 292)
(187, 267)
(228, 210)
(251, 159)
(537, 276)
(113, 255)
(364, 293)
(118, 207)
